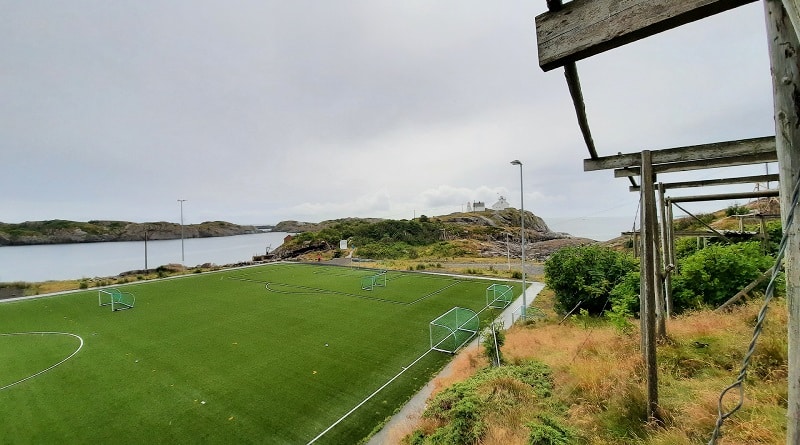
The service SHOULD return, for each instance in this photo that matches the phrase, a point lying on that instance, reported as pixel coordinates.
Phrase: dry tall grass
(599, 377)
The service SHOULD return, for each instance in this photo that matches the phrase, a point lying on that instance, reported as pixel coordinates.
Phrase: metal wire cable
(762, 314)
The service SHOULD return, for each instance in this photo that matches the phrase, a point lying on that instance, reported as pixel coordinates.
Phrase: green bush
(586, 275)
(548, 431)
(685, 246)
(712, 275)
(493, 343)
(461, 409)
(736, 209)
(625, 302)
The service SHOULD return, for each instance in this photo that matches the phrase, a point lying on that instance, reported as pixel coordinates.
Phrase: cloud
(262, 111)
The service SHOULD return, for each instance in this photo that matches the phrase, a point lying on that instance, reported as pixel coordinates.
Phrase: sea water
(596, 228)
(87, 260)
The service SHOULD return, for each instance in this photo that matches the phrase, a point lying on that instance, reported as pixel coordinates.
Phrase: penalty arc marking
(80, 346)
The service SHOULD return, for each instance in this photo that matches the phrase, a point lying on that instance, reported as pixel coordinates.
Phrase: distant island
(59, 231)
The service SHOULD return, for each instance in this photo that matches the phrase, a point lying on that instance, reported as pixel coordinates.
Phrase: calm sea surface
(596, 228)
(86, 260)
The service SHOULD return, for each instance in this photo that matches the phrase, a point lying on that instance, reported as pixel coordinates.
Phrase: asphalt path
(411, 412)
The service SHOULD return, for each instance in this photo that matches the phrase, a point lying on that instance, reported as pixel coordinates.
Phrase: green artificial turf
(271, 354)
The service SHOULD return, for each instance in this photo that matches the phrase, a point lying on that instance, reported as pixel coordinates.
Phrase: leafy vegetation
(585, 275)
(492, 340)
(736, 209)
(712, 275)
(462, 413)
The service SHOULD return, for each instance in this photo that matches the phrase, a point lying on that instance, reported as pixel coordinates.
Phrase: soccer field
(278, 354)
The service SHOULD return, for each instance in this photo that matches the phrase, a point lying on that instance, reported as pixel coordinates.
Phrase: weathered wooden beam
(695, 233)
(725, 196)
(712, 182)
(583, 28)
(746, 290)
(703, 164)
(648, 286)
(783, 42)
(689, 153)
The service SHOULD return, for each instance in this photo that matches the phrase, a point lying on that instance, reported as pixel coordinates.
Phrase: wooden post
(671, 263)
(785, 69)
(658, 271)
(648, 285)
(664, 258)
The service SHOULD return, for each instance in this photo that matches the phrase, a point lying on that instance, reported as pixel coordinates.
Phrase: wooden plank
(746, 290)
(785, 73)
(719, 181)
(583, 28)
(726, 196)
(665, 250)
(689, 153)
(703, 164)
(648, 284)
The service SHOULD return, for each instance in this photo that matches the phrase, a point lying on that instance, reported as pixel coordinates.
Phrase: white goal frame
(370, 282)
(499, 296)
(117, 299)
(465, 323)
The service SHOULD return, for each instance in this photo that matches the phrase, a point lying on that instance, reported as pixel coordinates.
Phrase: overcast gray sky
(262, 111)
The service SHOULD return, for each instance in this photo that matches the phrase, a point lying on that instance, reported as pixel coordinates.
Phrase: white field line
(507, 309)
(368, 397)
(48, 369)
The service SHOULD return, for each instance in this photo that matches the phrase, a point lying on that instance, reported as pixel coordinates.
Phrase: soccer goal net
(370, 282)
(115, 298)
(453, 329)
(498, 296)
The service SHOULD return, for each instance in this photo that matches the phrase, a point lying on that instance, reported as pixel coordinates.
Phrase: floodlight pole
(183, 258)
(523, 313)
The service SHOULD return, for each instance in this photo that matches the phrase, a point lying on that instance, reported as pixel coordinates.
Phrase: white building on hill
(501, 204)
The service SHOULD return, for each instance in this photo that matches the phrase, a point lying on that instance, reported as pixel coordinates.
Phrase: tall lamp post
(183, 258)
(523, 313)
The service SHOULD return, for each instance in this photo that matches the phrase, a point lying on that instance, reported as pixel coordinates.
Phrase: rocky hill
(491, 233)
(65, 232)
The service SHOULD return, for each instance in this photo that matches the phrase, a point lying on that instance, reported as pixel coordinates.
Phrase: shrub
(461, 412)
(492, 340)
(625, 301)
(736, 209)
(548, 431)
(711, 276)
(585, 275)
(685, 247)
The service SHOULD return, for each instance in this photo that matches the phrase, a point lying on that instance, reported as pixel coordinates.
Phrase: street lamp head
(516, 162)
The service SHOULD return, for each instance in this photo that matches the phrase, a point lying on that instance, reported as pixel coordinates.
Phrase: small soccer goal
(453, 329)
(499, 296)
(115, 298)
(370, 282)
